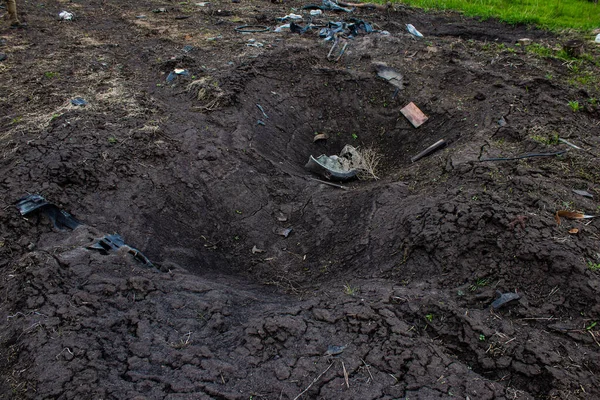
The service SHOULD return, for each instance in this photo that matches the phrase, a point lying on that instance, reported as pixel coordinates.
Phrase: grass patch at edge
(550, 14)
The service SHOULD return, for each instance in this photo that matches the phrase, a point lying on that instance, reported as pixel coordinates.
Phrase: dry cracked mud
(398, 272)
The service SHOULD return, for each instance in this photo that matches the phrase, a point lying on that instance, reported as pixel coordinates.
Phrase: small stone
(285, 232)
(524, 41)
(334, 350)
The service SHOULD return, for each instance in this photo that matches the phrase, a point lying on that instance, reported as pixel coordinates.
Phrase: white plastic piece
(413, 31)
(66, 16)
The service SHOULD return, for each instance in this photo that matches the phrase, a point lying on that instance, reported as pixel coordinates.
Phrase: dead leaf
(574, 231)
(568, 215)
(572, 215)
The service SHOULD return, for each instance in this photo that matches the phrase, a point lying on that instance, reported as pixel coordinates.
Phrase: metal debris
(583, 193)
(504, 299)
(35, 203)
(437, 145)
(390, 74)
(115, 242)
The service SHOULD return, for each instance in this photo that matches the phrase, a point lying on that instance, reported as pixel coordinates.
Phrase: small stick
(342, 52)
(313, 382)
(335, 43)
(329, 183)
(346, 374)
(368, 369)
(71, 353)
(529, 155)
(508, 341)
(440, 143)
(569, 144)
(593, 337)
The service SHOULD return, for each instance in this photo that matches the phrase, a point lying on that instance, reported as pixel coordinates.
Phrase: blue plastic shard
(78, 101)
(350, 29)
(262, 110)
(175, 73)
(329, 5)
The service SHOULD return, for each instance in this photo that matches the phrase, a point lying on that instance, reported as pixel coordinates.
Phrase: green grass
(575, 106)
(593, 266)
(350, 290)
(582, 69)
(548, 140)
(551, 14)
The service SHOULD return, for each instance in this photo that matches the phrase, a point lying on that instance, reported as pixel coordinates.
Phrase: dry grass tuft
(120, 97)
(369, 165)
(208, 92)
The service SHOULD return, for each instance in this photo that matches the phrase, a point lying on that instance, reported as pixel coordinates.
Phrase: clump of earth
(267, 283)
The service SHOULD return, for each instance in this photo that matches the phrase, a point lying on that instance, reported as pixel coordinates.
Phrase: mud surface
(398, 272)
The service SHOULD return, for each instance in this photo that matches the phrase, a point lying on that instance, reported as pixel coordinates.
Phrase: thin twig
(593, 337)
(529, 155)
(508, 341)
(569, 144)
(368, 369)
(346, 375)
(313, 382)
(63, 350)
(329, 183)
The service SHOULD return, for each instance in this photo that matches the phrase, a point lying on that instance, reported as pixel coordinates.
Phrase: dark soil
(401, 270)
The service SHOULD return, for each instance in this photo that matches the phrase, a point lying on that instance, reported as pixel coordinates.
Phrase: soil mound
(268, 283)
